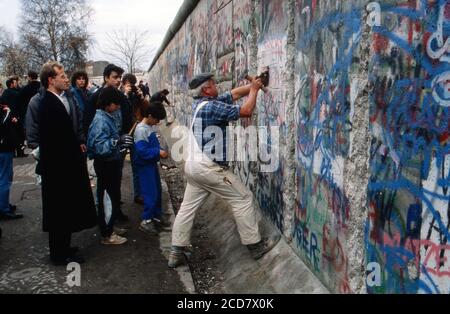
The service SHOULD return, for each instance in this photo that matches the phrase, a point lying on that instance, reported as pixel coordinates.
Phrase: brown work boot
(176, 257)
(259, 249)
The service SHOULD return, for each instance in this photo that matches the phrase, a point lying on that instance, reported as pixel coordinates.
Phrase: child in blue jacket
(148, 153)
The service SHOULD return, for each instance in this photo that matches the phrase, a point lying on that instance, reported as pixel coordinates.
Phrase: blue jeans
(6, 178)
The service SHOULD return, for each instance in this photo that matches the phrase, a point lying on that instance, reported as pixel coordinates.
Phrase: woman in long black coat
(67, 199)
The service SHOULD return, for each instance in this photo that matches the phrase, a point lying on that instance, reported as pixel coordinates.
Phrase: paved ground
(137, 267)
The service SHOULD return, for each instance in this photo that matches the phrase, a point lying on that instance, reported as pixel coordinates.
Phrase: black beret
(200, 79)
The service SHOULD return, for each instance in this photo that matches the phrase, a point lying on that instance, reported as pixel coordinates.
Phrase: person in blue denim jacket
(105, 146)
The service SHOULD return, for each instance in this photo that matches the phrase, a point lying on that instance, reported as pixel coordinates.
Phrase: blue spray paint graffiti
(408, 191)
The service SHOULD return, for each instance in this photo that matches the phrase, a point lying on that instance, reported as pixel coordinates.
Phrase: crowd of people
(66, 122)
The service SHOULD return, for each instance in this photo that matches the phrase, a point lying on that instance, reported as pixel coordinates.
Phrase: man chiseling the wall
(207, 169)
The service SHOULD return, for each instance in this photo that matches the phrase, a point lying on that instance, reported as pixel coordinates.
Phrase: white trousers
(203, 179)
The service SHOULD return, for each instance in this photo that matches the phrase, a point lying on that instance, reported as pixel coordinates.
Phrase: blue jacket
(103, 137)
(146, 145)
(82, 97)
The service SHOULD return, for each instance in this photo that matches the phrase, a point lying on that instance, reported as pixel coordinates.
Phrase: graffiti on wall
(225, 43)
(272, 43)
(242, 14)
(242, 32)
(408, 228)
(225, 36)
(328, 37)
(193, 50)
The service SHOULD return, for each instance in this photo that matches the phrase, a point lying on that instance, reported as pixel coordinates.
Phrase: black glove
(126, 142)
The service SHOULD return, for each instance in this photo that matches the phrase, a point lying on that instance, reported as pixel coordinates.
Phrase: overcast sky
(152, 15)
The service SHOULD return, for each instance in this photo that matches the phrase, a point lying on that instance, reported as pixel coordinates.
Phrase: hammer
(125, 151)
(264, 76)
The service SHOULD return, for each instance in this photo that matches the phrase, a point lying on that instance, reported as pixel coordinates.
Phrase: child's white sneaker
(148, 226)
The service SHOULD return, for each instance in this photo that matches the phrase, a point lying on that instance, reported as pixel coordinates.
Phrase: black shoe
(12, 208)
(10, 216)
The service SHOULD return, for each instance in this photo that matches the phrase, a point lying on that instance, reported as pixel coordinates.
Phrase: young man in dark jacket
(112, 76)
(11, 98)
(28, 92)
(161, 97)
(7, 147)
(11, 95)
(135, 97)
(143, 88)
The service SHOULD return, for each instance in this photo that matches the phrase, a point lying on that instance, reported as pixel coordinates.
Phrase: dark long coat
(67, 199)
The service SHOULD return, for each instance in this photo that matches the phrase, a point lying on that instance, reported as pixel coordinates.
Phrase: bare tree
(13, 58)
(56, 30)
(128, 48)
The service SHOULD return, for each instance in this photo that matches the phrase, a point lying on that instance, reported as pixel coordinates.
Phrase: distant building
(95, 68)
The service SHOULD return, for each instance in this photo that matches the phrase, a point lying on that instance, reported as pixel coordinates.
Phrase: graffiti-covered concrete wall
(360, 99)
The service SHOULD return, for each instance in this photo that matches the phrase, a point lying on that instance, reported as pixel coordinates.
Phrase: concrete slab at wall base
(280, 271)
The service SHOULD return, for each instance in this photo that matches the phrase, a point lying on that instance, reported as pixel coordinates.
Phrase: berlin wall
(360, 96)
